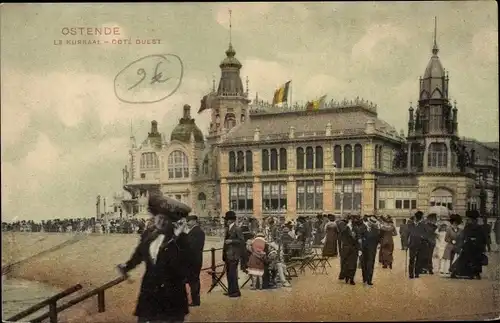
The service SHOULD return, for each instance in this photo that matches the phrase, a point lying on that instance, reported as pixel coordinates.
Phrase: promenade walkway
(312, 297)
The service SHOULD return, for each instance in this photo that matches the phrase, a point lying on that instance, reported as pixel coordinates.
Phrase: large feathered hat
(173, 209)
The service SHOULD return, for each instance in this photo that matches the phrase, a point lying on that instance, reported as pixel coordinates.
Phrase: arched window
(202, 200)
(337, 153)
(347, 156)
(274, 159)
(249, 160)
(375, 159)
(265, 160)
(283, 159)
(205, 166)
(437, 155)
(149, 161)
(319, 157)
(358, 156)
(309, 158)
(232, 162)
(240, 162)
(178, 166)
(300, 158)
(441, 197)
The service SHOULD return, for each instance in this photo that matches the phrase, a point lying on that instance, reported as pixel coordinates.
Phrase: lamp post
(334, 164)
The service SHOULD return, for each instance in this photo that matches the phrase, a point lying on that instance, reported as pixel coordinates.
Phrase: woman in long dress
(388, 231)
(451, 237)
(331, 237)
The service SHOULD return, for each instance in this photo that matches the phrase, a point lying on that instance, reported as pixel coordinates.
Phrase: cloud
(379, 37)
(485, 45)
(243, 14)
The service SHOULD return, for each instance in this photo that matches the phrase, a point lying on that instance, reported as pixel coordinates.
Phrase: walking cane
(406, 261)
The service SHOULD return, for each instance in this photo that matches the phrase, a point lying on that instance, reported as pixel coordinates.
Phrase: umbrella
(441, 211)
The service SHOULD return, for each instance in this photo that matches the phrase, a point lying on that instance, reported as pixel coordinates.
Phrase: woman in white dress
(450, 238)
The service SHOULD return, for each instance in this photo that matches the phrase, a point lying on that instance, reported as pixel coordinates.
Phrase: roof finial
(247, 84)
(435, 48)
(230, 27)
(131, 129)
(213, 83)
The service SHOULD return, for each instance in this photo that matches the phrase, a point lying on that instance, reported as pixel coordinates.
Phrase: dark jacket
(369, 239)
(234, 250)
(162, 294)
(196, 238)
(416, 233)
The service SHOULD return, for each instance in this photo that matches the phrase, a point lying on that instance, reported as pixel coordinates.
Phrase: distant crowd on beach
(90, 225)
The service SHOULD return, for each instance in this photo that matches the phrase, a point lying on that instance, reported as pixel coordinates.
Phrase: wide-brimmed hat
(455, 218)
(172, 209)
(260, 234)
(230, 215)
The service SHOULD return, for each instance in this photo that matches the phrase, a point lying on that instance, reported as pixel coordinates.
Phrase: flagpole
(290, 105)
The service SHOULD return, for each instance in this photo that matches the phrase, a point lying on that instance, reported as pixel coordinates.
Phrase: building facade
(263, 160)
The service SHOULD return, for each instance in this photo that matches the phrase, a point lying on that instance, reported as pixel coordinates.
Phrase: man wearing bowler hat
(196, 238)
(165, 250)
(232, 252)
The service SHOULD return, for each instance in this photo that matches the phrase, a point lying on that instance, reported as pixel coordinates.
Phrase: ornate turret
(411, 120)
(187, 126)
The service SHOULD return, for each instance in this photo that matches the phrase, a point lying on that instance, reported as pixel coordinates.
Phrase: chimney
(256, 134)
(187, 112)
(328, 129)
(370, 126)
(154, 127)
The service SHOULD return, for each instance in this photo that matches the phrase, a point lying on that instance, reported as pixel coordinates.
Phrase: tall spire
(435, 48)
(230, 27)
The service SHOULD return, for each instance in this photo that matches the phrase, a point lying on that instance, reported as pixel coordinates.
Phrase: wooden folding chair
(246, 281)
(218, 279)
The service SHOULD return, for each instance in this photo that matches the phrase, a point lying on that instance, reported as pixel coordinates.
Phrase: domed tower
(432, 126)
(187, 128)
(154, 137)
(230, 104)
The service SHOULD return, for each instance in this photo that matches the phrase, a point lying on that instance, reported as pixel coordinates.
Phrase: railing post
(101, 302)
(53, 312)
(213, 267)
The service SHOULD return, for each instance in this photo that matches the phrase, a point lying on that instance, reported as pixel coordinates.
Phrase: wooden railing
(51, 303)
(100, 292)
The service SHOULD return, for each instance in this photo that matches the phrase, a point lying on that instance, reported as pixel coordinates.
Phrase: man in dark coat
(196, 238)
(234, 246)
(415, 236)
(403, 234)
(429, 243)
(369, 242)
(166, 252)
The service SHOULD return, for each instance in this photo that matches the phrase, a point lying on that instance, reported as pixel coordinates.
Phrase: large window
(274, 196)
(337, 154)
(348, 195)
(436, 119)
(149, 161)
(319, 157)
(441, 197)
(241, 197)
(309, 196)
(265, 160)
(249, 161)
(205, 166)
(309, 158)
(232, 162)
(347, 156)
(437, 155)
(300, 158)
(358, 156)
(202, 201)
(399, 200)
(283, 159)
(178, 166)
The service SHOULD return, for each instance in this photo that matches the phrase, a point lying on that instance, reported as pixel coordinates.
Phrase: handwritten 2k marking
(159, 78)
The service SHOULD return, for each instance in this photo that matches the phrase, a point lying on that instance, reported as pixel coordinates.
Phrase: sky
(65, 134)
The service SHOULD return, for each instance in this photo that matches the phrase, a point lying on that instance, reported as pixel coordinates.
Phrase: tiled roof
(341, 120)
